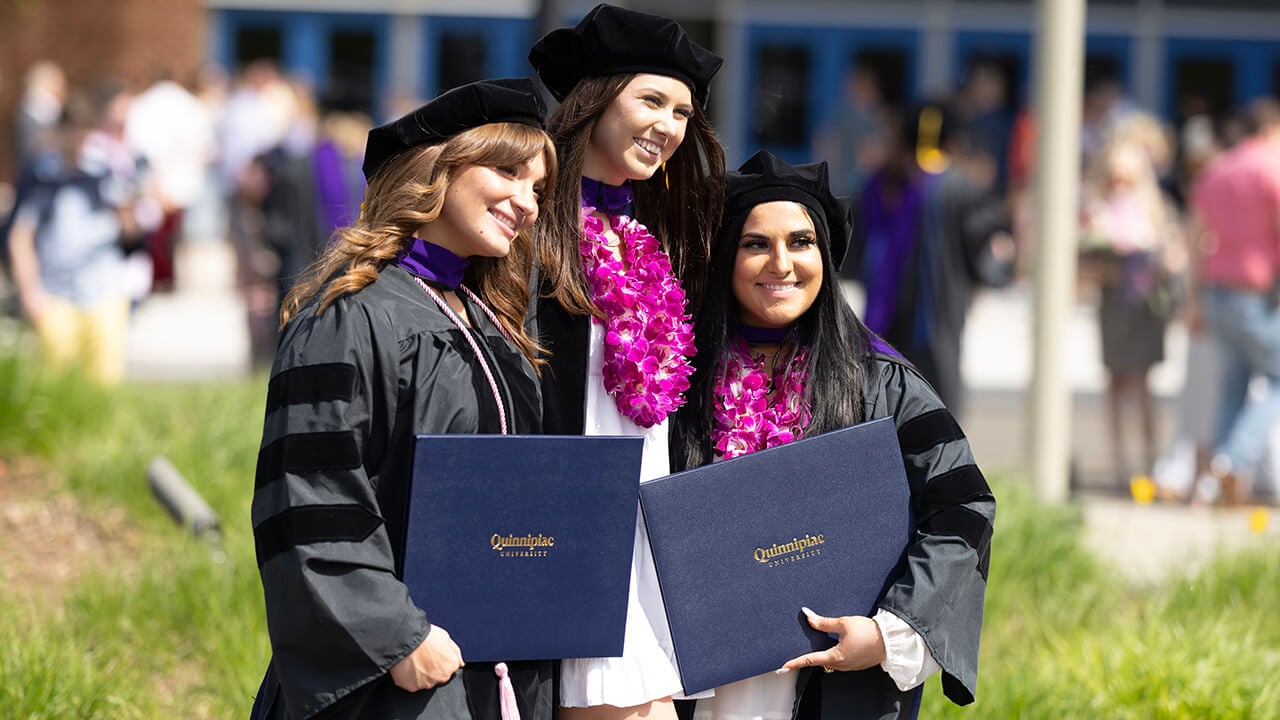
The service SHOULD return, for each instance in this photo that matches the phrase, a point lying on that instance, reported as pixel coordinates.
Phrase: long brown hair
(680, 204)
(407, 193)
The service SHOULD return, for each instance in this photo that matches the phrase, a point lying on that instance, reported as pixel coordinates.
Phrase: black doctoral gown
(942, 590)
(564, 378)
(349, 390)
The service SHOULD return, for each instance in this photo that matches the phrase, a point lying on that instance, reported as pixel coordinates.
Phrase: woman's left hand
(860, 645)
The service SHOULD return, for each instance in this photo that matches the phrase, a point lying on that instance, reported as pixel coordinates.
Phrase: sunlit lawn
(170, 632)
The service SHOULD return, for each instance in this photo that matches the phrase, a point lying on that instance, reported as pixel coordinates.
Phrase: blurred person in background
(289, 205)
(35, 125)
(261, 118)
(107, 145)
(338, 155)
(932, 232)
(1103, 106)
(1128, 245)
(253, 119)
(205, 219)
(1020, 173)
(981, 109)
(170, 129)
(1186, 457)
(1236, 293)
(44, 93)
(68, 236)
(853, 141)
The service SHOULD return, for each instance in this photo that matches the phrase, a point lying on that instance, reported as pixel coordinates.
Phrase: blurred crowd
(1178, 223)
(111, 181)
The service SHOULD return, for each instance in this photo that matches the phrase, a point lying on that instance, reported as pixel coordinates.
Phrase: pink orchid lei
(648, 336)
(745, 419)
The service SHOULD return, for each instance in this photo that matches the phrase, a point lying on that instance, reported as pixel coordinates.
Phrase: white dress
(647, 669)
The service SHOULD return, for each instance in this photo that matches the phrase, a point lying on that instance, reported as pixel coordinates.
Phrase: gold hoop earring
(666, 179)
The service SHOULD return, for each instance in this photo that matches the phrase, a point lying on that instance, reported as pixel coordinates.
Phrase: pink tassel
(506, 693)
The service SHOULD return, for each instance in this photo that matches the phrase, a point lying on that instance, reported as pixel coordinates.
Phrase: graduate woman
(622, 253)
(411, 322)
(782, 356)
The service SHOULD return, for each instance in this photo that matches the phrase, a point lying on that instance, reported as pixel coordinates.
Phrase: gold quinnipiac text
(527, 545)
(799, 548)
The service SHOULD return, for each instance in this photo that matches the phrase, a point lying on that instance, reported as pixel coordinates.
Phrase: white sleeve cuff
(907, 661)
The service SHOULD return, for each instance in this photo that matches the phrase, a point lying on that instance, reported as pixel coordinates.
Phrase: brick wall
(130, 39)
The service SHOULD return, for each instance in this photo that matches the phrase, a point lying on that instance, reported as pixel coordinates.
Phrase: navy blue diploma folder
(520, 545)
(741, 545)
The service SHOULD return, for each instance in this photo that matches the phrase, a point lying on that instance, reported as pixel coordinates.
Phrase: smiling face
(639, 130)
(777, 272)
(485, 207)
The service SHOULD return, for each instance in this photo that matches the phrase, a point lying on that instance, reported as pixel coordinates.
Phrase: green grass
(1067, 637)
(171, 632)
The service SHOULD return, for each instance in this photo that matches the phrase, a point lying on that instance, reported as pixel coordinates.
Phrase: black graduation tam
(507, 100)
(767, 178)
(615, 41)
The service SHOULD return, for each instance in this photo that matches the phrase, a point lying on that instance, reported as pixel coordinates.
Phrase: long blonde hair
(408, 192)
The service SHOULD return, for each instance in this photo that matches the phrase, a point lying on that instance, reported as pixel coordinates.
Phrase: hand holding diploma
(432, 663)
(858, 647)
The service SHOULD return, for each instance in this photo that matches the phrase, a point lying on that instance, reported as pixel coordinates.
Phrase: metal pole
(183, 502)
(1059, 86)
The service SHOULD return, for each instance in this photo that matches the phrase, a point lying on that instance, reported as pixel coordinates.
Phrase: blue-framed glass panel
(795, 81)
(1012, 53)
(459, 50)
(348, 49)
(240, 34)
(1224, 72)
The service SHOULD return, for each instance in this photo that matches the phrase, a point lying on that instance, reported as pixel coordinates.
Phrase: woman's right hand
(430, 664)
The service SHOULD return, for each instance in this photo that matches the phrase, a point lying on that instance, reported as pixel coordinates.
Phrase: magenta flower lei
(745, 419)
(648, 336)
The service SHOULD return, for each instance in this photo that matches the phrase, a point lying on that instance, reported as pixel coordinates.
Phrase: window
(1100, 68)
(1212, 80)
(781, 96)
(351, 69)
(889, 66)
(256, 43)
(462, 59)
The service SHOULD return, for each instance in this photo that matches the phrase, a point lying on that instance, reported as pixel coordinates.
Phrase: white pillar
(408, 34)
(730, 83)
(1059, 58)
(936, 50)
(1149, 59)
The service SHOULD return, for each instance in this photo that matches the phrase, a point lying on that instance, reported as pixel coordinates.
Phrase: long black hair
(839, 350)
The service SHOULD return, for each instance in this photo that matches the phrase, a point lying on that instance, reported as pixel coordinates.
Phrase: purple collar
(610, 199)
(763, 336)
(432, 262)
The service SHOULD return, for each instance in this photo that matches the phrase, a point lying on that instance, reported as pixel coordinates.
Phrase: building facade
(784, 61)
(134, 40)
(782, 78)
